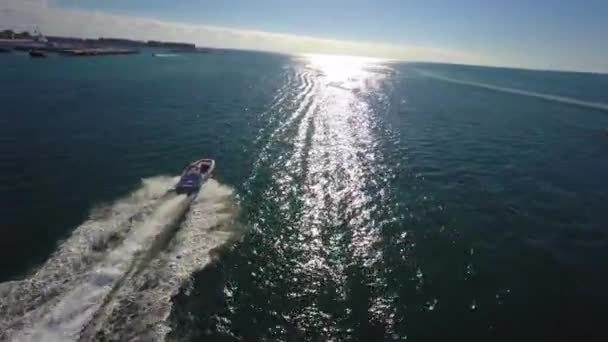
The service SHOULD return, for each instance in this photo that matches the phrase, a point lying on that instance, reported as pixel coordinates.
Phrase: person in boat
(192, 170)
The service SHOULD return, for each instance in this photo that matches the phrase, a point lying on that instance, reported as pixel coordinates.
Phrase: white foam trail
(141, 307)
(77, 306)
(547, 97)
(81, 281)
(23, 302)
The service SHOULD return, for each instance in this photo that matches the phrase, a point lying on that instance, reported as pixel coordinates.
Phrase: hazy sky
(547, 34)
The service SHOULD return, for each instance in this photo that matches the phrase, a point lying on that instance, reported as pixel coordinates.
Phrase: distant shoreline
(73, 46)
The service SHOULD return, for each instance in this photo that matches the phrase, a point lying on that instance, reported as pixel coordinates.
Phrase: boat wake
(547, 97)
(117, 273)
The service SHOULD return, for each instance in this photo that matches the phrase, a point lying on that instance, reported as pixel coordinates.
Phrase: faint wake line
(277, 101)
(305, 100)
(547, 97)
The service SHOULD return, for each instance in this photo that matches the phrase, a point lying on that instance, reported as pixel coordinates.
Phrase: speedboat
(194, 176)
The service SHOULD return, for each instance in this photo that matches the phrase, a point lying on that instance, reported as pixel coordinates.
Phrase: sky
(539, 34)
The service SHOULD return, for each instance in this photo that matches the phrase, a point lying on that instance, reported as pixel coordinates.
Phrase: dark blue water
(353, 200)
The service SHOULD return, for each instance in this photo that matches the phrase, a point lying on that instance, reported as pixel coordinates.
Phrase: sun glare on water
(335, 162)
(330, 182)
(341, 68)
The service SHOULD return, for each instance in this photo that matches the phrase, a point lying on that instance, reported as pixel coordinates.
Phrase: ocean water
(353, 200)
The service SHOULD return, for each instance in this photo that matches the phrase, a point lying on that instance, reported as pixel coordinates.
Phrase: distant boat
(4, 50)
(165, 55)
(37, 54)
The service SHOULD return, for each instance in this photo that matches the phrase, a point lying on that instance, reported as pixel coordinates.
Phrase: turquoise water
(354, 200)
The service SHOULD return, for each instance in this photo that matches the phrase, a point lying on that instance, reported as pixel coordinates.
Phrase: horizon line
(387, 60)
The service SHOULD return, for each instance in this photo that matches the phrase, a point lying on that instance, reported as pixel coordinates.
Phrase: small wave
(548, 97)
(128, 251)
(306, 104)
